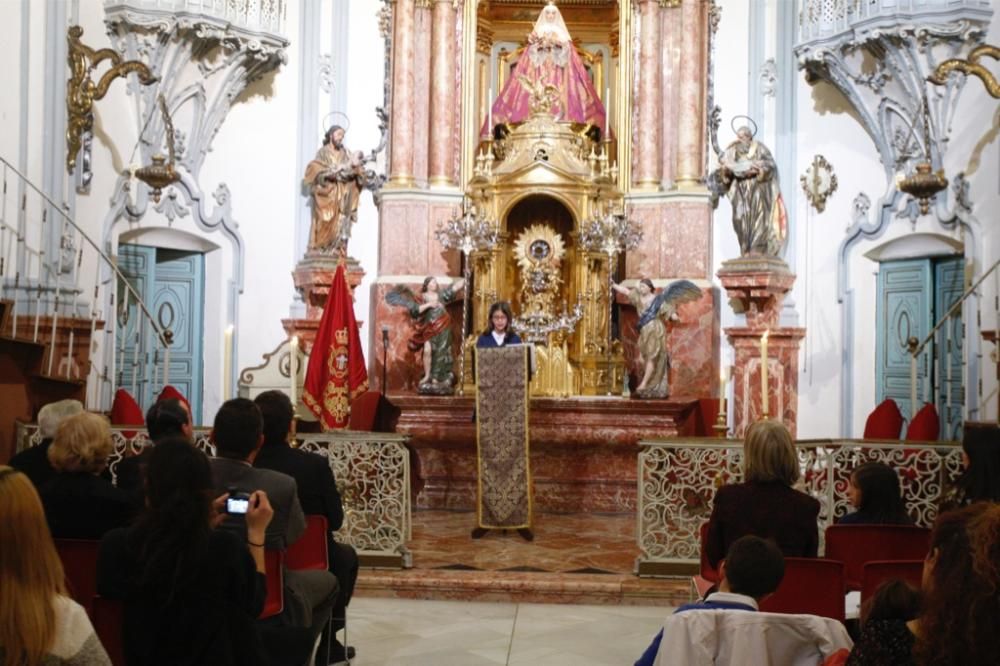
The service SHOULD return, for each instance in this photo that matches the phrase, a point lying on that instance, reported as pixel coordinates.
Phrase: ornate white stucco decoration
(768, 77)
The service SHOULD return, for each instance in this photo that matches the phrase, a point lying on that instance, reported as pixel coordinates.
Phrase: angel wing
(678, 293)
(403, 297)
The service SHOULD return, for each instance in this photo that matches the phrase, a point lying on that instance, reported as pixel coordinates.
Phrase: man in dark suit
(236, 433)
(34, 460)
(170, 417)
(317, 490)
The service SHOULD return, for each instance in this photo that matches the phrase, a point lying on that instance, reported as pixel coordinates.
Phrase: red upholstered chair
(854, 545)
(274, 570)
(107, 616)
(126, 411)
(925, 425)
(811, 585)
(707, 571)
(79, 560)
(876, 572)
(310, 550)
(364, 409)
(885, 422)
(171, 393)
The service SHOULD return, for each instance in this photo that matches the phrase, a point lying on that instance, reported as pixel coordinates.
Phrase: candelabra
(610, 234)
(537, 326)
(469, 232)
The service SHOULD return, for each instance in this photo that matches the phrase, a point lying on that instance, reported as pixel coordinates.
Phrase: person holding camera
(192, 593)
(238, 436)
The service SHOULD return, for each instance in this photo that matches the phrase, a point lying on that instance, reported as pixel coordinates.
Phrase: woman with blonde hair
(765, 504)
(79, 504)
(38, 622)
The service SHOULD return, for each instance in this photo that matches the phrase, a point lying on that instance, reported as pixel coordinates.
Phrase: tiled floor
(574, 559)
(463, 633)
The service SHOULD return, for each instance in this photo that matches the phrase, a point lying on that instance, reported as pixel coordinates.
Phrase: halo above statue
(335, 118)
(733, 126)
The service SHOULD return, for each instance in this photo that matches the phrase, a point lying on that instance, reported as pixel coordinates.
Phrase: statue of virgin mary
(550, 58)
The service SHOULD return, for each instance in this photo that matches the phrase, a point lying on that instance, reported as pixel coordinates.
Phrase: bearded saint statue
(549, 59)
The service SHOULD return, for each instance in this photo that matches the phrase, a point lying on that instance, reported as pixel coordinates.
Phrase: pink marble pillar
(403, 53)
(422, 91)
(647, 135)
(670, 37)
(444, 98)
(758, 292)
(691, 120)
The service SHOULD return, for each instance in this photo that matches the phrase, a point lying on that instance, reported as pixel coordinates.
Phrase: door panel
(949, 282)
(903, 310)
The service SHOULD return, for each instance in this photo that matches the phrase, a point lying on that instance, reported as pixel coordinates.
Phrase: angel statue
(432, 331)
(655, 309)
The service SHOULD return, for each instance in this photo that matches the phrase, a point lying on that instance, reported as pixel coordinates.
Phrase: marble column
(670, 36)
(444, 98)
(691, 116)
(422, 92)
(647, 134)
(403, 53)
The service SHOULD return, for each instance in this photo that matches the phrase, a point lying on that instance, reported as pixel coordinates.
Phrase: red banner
(336, 374)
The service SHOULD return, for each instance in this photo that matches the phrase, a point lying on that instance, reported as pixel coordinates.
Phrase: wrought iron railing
(51, 271)
(824, 18)
(677, 480)
(372, 472)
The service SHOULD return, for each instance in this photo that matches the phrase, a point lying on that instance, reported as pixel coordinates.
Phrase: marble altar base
(583, 450)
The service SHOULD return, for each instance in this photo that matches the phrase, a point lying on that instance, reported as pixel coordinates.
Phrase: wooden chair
(107, 616)
(811, 585)
(876, 572)
(310, 550)
(79, 560)
(274, 571)
(856, 544)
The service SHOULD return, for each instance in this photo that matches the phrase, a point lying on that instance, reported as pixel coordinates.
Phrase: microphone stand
(385, 353)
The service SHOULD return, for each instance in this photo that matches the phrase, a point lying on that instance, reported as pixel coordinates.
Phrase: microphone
(385, 354)
(385, 334)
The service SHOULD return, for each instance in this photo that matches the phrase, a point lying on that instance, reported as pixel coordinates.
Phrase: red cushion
(126, 411)
(885, 422)
(925, 425)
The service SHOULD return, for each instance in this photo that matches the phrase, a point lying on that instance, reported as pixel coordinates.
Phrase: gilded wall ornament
(819, 182)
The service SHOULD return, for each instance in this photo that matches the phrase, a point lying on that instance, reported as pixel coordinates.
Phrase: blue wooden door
(949, 283)
(903, 310)
(171, 283)
(134, 368)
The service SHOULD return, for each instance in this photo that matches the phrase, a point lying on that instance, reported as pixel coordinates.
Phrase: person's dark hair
(754, 566)
(893, 600)
(328, 137)
(173, 530)
(981, 480)
(960, 622)
(648, 283)
(166, 418)
(504, 307)
(277, 413)
(427, 281)
(881, 501)
(237, 428)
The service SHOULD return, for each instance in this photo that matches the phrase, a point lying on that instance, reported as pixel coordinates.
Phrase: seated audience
(192, 593)
(167, 417)
(874, 492)
(39, 624)
(980, 481)
(237, 434)
(79, 503)
(753, 569)
(317, 491)
(765, 504)
(34, 461)
(960, 618)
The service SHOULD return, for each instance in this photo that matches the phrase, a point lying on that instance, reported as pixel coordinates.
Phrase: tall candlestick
(293, 371)
(722, 392)
(489, 113)
(765, 407)
(227, 364)
(607, 109)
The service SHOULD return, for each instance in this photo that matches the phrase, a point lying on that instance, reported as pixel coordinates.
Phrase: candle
(293, 372)
(722, 391)
(489, 112)
(763, 376)
(227, 363)
(607, 110)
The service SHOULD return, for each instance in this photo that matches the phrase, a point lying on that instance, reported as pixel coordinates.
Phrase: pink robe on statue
(550, 58)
